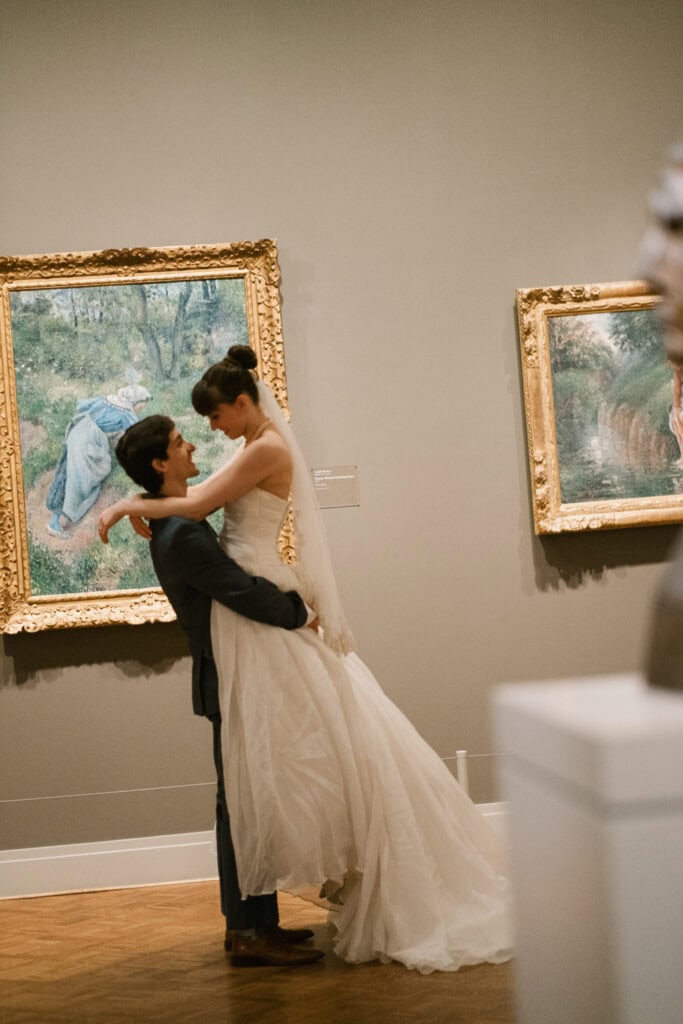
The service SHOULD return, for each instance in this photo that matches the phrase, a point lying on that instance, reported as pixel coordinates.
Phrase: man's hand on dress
(312, 621)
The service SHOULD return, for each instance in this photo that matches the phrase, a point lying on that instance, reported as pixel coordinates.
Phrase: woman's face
(230, 419)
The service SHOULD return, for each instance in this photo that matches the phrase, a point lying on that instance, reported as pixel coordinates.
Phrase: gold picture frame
(604, 408)
(115, 324)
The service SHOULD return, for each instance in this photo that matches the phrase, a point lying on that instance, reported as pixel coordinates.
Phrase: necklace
(257, 433)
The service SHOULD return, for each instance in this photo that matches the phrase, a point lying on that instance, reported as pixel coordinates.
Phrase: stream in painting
(621, 458)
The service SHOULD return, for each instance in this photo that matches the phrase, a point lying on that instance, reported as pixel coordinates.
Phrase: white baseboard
(114, 864)
(126, 863)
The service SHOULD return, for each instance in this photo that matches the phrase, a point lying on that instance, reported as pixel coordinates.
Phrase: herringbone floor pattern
(155, 956)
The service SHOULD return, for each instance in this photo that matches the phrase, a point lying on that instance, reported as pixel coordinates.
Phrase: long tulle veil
(314, 565)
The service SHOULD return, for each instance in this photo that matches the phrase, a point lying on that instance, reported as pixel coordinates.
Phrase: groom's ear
(159, 465)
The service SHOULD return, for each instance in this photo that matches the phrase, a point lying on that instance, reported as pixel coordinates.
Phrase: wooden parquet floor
(153, 955)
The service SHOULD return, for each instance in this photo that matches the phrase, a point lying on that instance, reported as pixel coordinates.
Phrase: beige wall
(417, 163)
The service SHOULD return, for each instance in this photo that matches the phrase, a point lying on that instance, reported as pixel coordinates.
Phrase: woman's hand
(141, 527)
(109, 518)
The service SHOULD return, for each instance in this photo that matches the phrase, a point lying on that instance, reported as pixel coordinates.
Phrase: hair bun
(243, 355)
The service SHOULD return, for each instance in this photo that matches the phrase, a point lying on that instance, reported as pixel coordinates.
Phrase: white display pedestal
(593, 773)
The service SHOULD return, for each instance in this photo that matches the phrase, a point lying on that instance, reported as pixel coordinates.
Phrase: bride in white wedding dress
(327, 781)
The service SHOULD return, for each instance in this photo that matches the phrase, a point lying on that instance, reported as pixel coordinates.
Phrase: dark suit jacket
(193, 570)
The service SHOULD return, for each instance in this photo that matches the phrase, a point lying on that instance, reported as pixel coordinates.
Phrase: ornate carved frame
(256, 263)
(534, 307)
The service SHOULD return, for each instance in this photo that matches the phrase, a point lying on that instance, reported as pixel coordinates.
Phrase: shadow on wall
(570, 558)
(147, 649)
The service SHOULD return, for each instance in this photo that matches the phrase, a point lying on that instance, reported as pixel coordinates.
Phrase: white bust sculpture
(662, 265)
(662, 252)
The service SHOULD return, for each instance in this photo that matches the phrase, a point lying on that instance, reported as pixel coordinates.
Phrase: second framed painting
(604, 408)
(90, 343)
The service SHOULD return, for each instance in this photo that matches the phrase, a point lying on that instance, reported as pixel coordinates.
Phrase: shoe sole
(227, 943)
(257, 961)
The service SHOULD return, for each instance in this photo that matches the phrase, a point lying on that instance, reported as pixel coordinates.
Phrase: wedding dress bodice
(250, 534)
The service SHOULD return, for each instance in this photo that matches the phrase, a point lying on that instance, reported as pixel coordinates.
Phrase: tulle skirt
(328, 782)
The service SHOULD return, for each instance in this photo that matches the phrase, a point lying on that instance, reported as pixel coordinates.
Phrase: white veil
(314, 565)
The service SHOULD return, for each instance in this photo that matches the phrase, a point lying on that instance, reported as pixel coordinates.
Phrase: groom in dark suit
(193, 571)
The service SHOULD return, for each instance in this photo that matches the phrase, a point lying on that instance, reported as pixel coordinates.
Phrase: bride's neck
(257, 424)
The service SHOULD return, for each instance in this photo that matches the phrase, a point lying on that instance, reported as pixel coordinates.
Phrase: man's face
(178, 466)
(662, 257)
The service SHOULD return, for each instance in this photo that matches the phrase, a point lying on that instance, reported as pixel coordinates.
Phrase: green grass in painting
(49, 574)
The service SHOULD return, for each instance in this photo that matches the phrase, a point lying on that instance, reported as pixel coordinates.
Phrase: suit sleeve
(195, 556)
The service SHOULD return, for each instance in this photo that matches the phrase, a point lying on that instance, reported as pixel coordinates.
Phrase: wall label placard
(336, 486)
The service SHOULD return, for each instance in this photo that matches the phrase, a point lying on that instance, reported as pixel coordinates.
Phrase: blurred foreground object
(592, 772)
(664, 659)
(662, 265)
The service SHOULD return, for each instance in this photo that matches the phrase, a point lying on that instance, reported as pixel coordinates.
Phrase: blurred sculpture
(662, 265)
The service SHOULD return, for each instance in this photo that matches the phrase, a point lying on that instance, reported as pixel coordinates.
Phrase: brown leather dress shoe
(265, 950)
(290, 935)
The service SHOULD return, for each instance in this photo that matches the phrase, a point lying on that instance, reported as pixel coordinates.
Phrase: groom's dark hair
(141, 443)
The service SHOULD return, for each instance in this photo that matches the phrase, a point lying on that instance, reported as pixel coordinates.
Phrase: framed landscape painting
(604, 408)
(90, 343)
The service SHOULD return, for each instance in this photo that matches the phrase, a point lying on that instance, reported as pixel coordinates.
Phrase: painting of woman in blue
(85, 460)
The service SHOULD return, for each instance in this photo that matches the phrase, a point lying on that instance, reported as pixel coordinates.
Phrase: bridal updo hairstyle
(225, 381)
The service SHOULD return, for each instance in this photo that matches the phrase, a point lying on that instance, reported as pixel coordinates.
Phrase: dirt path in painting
(37, 514)
(81, 535)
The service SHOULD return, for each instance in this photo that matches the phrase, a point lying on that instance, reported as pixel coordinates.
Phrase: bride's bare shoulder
(273, 440)
(270, 448)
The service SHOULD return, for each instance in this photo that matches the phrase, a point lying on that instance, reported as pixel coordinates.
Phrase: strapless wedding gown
(328, 782)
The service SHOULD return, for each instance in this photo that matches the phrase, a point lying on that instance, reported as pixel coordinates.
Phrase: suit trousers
(254, 911)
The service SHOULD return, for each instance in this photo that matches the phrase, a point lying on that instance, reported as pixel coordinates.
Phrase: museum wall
(417, 163)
